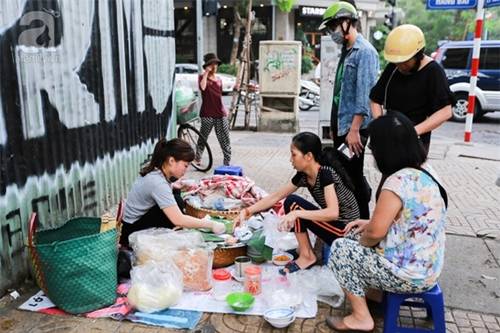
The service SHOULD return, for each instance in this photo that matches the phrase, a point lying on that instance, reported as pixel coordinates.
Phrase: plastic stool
(229, 170)
(325, 252)
(433, 302)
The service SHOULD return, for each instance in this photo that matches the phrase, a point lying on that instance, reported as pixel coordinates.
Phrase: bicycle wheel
(191, 135)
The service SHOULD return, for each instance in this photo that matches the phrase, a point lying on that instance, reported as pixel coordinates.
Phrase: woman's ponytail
(179, 149)
(331, 157)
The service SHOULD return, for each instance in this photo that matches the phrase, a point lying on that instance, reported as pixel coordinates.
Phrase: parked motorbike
(309, 95)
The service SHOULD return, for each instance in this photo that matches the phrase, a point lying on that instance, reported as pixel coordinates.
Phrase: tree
(447, 24)
(240, 19)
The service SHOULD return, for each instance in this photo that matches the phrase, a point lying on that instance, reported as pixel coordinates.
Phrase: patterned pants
(222, 133)
(358, 268)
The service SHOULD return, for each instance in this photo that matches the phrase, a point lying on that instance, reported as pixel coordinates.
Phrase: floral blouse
(414, 245)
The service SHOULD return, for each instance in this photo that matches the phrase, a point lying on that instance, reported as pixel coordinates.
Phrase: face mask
(337, 37)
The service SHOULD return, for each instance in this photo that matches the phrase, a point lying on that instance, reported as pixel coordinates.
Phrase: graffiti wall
(85, 91)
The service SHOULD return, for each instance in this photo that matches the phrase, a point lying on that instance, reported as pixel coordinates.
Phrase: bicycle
(189, 133)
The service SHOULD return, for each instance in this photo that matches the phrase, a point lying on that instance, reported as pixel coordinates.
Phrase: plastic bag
(256, 248)
(319, 281)
(155, 286)
(196, 267)
(160, 243)
(281, 292)
(186, 248)
(278, 239)
(220, 202)
(255, 222)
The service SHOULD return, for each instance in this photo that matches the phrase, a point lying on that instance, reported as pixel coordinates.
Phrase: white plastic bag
(160, 243)
(319, 281)
(280, 292)
(185, 248)
(155, 286)
(281, 240)
(196, 267)
(277, 239)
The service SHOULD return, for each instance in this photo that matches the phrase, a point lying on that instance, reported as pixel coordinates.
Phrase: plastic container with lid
(222, 284)
(253, 279)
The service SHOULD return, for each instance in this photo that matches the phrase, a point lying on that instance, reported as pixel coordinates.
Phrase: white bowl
(280, 317)
(282, 263)
(279, 324)
(279, 313)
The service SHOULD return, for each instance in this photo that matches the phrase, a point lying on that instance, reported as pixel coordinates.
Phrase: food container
(280, 317)
(253, 280)
(222, 284)
(202, 212)
(240, 263)
(224, 255)
(282, 259)
(240, 301)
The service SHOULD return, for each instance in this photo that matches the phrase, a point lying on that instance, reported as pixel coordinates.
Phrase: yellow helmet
(403, 42)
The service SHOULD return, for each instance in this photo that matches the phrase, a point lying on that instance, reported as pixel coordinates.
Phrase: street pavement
(471, 276)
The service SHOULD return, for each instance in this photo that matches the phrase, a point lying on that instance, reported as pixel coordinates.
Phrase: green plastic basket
(185, 104)
(75, 264)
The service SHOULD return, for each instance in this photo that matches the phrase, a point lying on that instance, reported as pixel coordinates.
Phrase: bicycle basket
(185, 104)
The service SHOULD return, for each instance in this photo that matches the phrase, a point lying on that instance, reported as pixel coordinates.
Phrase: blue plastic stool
(325, 253)
(233, 170)
(433, 302)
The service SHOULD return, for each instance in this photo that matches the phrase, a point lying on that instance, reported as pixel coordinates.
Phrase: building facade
(300, 23)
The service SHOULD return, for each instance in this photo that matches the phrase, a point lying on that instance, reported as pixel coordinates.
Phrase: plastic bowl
(279, 324)
(280, 317)
(277, 257)
(279, 313)
(240, 301)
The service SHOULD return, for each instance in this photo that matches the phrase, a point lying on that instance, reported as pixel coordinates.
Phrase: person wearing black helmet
(356, 74)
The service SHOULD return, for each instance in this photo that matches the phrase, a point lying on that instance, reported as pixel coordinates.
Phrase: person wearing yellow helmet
(356, 74)
(413, 84)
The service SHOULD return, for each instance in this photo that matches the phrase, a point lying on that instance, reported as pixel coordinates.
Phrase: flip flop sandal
(292, 267)
(333, 323)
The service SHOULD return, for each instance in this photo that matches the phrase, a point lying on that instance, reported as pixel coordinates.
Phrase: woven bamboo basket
(224, 255)
(201, 212)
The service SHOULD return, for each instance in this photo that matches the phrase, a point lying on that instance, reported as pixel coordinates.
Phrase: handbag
(75, 264)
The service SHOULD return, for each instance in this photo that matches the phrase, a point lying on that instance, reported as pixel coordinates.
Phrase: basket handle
(119, 212)
(32, 229)
(39, 276)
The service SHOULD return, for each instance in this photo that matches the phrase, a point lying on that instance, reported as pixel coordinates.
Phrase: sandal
(292, 267)
(338, 325)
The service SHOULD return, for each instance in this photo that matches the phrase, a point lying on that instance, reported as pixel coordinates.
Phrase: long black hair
(179, 149)
(394, 143)
(307, 142)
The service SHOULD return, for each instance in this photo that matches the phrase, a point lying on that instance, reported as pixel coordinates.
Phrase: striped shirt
(348, 207)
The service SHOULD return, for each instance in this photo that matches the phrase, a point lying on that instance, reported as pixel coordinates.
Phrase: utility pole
(199, 35)
(390, 18)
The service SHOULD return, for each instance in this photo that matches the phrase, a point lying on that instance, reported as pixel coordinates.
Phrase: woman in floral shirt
(401, 249)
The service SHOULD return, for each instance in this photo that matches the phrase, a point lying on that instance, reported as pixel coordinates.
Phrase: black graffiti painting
(76, 103)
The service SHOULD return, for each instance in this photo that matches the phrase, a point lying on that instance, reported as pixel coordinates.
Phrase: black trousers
(327, 231)
(154, 218)
(354, 168)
